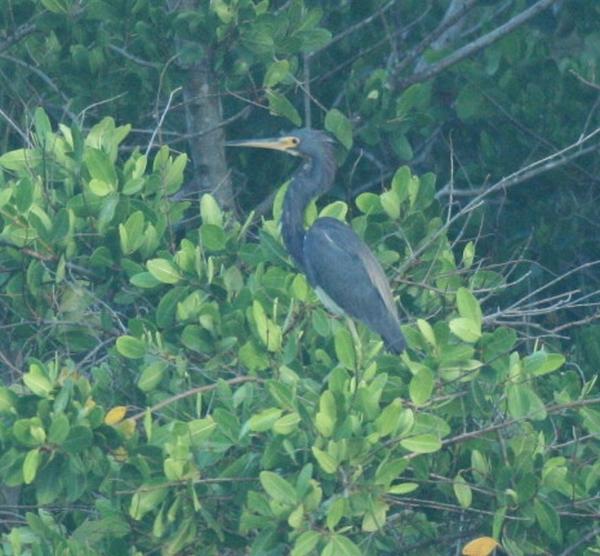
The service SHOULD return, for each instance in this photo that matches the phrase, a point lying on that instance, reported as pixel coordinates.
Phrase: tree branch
(23, 31)
(475, 46)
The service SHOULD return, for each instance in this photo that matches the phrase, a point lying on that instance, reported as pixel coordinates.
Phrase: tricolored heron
(338, 264)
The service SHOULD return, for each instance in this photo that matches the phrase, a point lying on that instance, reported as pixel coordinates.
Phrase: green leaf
(414, 95)
(210, 211)
(131, 234)
(326, 462)
(278, 488)
(163, 271)
(8, 400)
(37, 380)
(21, 159)
(79, 439)
(465, 329)
(276, 73)
(541, 363)
(100, 166)
(264, 420)
(388, 420)
(344, 348)
(305, 543)
(336, 512)
(422, 444)
(337, 209)
(281, 106)
(201, 430)
(468, 254)
(325, 419)
(268, 331)
(403, 488)
(100, 188)
(339, 545)
(213, 237)
(23, 194)
(144, 280)
(421, 387)
(59, 429)
(402, 146)
(174, 175)
(56, 6)
(314, 39)
(548, 518)
(131, 347)
(468, 306)
(31, 464)
(369, 203)
(389, 470)
(146, 498)
(462, 491)
(286, 424)
(401, 182)
(391, 204)
(523, 403)
(469, 102)
(375, 516)
(427, 332)
(151, 376)
(337, 123)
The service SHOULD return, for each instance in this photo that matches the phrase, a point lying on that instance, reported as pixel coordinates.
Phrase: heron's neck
(312, 179)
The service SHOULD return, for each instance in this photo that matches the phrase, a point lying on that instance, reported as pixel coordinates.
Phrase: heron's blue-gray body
(333, 257)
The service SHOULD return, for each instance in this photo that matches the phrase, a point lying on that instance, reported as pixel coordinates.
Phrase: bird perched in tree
(338, 264)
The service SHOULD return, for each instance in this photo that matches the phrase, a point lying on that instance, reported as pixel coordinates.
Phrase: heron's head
(308, 143)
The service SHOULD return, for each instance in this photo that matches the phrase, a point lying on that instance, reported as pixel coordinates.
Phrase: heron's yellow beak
(286, 144)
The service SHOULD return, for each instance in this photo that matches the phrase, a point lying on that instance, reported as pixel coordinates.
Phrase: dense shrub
(182, 389)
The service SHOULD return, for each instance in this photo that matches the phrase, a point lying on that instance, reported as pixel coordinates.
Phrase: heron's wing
(339, 263)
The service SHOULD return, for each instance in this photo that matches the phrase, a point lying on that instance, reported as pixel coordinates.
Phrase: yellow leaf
(115, 415)
(483, 546)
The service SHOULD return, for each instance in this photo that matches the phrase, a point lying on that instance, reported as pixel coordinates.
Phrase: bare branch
(449, 21)
(529, 171)
(519, 177)
(133, 58)
(477, 45)
(353, 28)
(21, 32)
(585, 81)
(306, 90)
(162, 119)
(12, 124)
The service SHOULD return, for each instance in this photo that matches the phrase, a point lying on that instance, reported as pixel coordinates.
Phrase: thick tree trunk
(203, 116)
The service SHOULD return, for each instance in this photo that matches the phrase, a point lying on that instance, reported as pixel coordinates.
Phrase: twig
(12, 124)
(523, 174)
(20, 33)
(162, 119)
(580, 542)
(585, 81)
(306, 89)
(133, 58)
(192, 392)
(356, 26)
(39, 73)
(81, 115)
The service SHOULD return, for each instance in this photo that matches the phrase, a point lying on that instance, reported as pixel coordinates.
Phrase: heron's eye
(295, 141)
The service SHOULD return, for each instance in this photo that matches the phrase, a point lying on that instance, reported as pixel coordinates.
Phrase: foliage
(191, 391)
(169, 381)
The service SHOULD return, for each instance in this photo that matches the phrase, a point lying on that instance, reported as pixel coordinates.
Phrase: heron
(341, 268)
